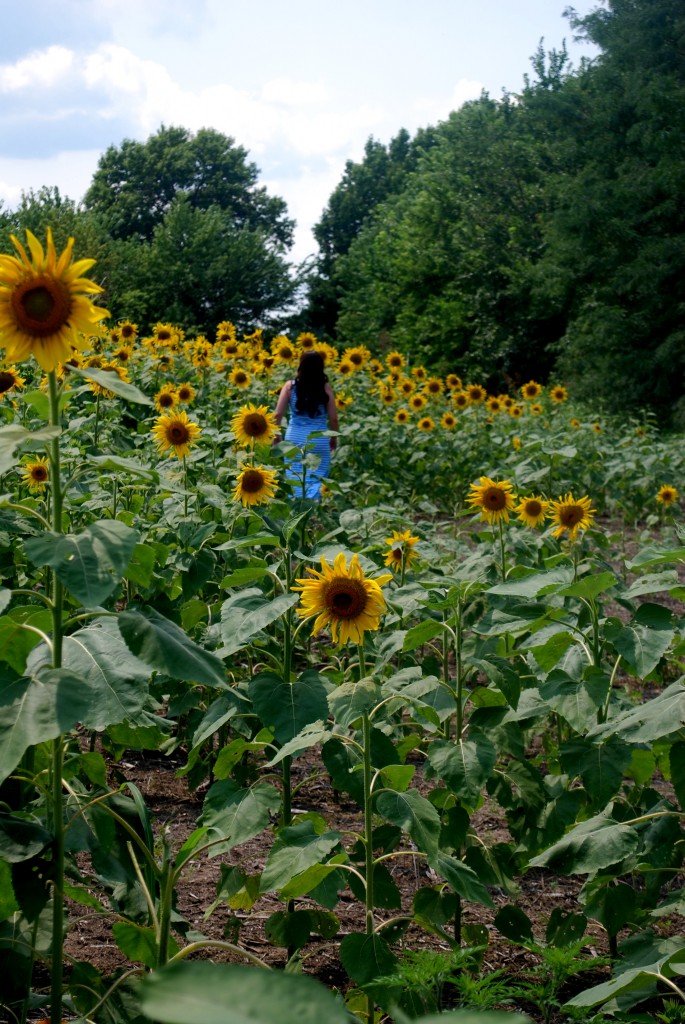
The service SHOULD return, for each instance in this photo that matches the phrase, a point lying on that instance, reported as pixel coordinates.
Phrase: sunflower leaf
(112, 382)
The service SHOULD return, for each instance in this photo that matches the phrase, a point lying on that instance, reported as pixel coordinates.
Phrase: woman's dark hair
(310, 384)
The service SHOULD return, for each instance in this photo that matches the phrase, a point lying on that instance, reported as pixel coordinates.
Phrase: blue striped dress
(300, 425)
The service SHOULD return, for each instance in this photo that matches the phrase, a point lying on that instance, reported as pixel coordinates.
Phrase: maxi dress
(300, 426)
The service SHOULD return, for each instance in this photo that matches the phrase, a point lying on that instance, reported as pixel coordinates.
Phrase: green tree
(135, 184)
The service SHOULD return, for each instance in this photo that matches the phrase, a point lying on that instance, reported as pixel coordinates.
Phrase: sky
(301, 84)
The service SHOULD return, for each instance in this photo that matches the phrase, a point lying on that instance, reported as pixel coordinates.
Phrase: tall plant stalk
(57, 760)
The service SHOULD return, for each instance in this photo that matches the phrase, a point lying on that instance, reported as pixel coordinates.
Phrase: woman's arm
(282, 405)
(332, 410)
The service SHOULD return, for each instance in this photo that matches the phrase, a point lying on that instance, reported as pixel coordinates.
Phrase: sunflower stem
(97, 420)
(57, 760)
(501, 549)
(368, 820)
(185, 488)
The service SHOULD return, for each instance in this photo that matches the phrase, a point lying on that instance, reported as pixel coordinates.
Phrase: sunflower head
(667, 495)
(342, 597)
(426, 424)
(166, 398)
(494, 498)
(402, 416)
(532, 510)
(401, 553)
(460, 399)
(571, 514)
(558, 393)
(185, 393)
(476, 393)
(36, 472)
(448, 420)
(10, 380)
(175, 433)
(453, 382)
(256, 485)
(531, 390)
(253, 424)
(394, 360)
(45, 305)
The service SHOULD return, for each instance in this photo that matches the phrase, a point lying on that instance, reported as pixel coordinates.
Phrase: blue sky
(301, 85)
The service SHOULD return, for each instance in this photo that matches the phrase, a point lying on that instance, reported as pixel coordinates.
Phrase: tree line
(537, 235)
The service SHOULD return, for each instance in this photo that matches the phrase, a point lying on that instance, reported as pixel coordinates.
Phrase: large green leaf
(349, 701)
(117, 679)
(589, 587)
(161, 644)
(645, 640)
(465, 766)
(203, 993)
(288, 707)
(535, 584)
(112, 382)
(238, 814)
(247, 613)
(17, 639)
(596, 843)
(578, 701)
(226, 706)
(21, 838)
(461, 878)
(35, 710)
(89, 564)
(12, 437)
(117, 464)
(366, 957)
(658, 719)
(295, 849)
(414, 815)
(317, 732)
(599, 765)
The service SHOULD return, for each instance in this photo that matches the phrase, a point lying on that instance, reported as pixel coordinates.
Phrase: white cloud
(306, 195)
(433, 109)
(41, 69)
(287, 93)
(71, 172)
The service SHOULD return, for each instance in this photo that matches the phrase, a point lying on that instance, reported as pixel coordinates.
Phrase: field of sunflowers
(484, 612)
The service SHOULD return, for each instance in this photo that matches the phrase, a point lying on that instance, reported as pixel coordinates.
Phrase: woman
(311, 408)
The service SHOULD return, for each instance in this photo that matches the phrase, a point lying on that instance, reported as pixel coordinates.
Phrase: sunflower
(253, 423)
(358, 356)
(45, 307)
(374, 366)
(575, 423)
(342, 597)
(388, 396)
(535, 409)
(345, 367)
(36, 473)
(129, 331)
(532, 510)
(515, 411)
(166, 397)
(597, 428)
(433, 387)
(558, 393)
(417, 402)
(448, 420)
(395, 361)
(571, 514)
(282, 349)
(402, 416)
(507, 401)
(406, 386)
(342, 400)
(493, 498)
(225, 331)
(453, 382)
(123, 353)
(256, 486)
(516, 442)
(163, 332)
(531, 390)
(667, 495)
(419, 372)
(306, 340)
(426, 424)
(201, 353)
(185, 393)
(240, 378)
(175, 433)
(401, 553)
(476, 393)
(460, 399)
(10, 380)
(493, 405)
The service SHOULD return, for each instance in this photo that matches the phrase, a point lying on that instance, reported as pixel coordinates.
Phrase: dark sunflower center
(495, 498)
(252, 481)
(396, 554)
(126, 332)
(571, 515)
(178, 434)
(39, 473)
(166, 400)
(533, 508)
(345, 598)
(356, 359)
(163, 336)
(7, 381)
(240, 377)
(41, 306)
(255, 425)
